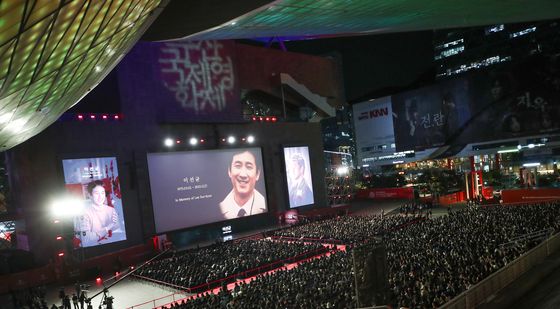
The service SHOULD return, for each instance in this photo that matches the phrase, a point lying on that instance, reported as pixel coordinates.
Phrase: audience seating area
(324, 282)
(347, 230)
(204, 268)
(429, 261)
(432, 262)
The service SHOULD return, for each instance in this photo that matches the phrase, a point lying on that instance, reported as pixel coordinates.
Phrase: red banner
(452, 198)
(530, 195)
(386, 193)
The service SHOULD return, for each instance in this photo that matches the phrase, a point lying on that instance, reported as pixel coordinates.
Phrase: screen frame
(213, 223)
(285, 181)
(124, 197)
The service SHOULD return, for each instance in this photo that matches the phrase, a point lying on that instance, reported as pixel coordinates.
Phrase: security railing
(161, 301)
(534, 236)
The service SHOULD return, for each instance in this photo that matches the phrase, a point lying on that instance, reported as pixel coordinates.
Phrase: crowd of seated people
(433, 261)
(195, 267)
(429, 262)
(348, 229)
(414, 208)
(32, 298)
(324, 282)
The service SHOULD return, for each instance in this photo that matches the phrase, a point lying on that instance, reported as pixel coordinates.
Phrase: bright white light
(231, 139)
(193, 141)
(519, 146)
(531, 164)
(342, 170)
(67, 207)
(98, 68)
(531, 145)
(16, 125)
(168, 142)
(508, 150)
(250, 139)
(6, 117)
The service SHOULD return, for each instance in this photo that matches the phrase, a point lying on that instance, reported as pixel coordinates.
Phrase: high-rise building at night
(458, 51)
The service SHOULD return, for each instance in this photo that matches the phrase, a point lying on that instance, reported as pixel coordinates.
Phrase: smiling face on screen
(98, 196)
(244, 174)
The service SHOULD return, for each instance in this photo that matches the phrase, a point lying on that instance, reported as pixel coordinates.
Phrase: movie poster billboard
(427, 117)
(96, 181)
(503, 102)
(514, 101)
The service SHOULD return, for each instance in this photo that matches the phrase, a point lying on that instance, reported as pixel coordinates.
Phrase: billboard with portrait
(199, 187)
(514, 101)
(503, 102)
(428, 117)
(96, 181)
(298, 176)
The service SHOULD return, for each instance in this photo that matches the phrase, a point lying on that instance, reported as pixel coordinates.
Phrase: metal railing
(161, 301)
(533, 236)
(483, 290)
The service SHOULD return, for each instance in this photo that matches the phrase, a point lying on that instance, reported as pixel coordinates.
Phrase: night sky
(378, 65)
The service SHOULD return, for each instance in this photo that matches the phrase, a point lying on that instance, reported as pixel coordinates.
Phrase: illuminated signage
(374, 113)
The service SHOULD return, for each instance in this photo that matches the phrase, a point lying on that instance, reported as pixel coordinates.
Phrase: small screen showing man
(298, 173)
(97, 181)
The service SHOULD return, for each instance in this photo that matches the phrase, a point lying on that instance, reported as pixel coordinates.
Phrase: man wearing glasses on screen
(243, 199)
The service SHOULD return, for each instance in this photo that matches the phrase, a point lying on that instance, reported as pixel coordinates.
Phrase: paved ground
(546, 295)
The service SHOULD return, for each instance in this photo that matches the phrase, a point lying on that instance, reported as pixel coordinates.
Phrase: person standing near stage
(82, 299)
(75, 301)
(66, 302)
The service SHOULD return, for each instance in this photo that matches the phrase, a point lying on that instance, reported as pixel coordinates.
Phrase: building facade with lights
(159, 114)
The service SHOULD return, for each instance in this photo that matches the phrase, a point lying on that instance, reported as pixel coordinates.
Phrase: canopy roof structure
(307, 19)
(52, 53)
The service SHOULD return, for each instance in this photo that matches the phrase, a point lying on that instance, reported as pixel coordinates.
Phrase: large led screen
(199, 187)
(298, 176)
(96, 180)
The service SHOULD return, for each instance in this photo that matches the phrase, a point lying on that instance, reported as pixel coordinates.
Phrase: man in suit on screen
(299, 191)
